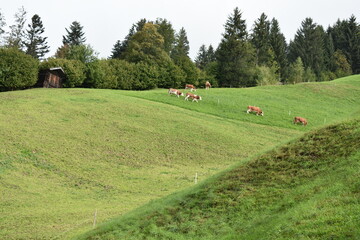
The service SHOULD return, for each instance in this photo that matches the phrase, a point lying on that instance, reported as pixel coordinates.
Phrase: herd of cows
(196, 98)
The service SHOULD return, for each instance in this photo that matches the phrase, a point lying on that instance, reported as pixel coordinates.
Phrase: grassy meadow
(67, 154)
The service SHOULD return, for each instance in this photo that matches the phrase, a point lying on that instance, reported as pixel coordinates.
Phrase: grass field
(68, 153)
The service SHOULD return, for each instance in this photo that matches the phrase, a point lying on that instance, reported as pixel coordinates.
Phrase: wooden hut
(51, 78)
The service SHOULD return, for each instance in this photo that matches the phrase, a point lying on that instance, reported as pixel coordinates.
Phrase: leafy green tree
(308, 44)
(121, 46)
(342, 66)
(17, 69)
(124, 72)
(235, 55)
(279, 48)
(75, 36)
(146, 45)
(36, 45)
(83, 53)
(309, 75)
(296, 72)
(266, 76)
(16, 37)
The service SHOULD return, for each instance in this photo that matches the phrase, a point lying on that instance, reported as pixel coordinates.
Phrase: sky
(106, 21)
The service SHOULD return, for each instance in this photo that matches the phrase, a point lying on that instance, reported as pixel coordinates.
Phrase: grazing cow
(192, 96)
(191, 87)
(255, 109)
(207, 85)
(300, 120)
(175, 92)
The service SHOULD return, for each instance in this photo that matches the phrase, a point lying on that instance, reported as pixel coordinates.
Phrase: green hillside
(307, 189)
(70, 153)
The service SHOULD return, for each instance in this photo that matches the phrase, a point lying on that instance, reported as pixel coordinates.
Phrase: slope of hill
(307, 189)
(70, 153)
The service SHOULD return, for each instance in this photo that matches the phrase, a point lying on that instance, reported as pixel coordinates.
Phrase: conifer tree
(201, 59)
(279, 47)
(181, 47)
(235, 55)
(36, 45)
(260, 38)
(167, 31)
(75, 36)
(308, 44)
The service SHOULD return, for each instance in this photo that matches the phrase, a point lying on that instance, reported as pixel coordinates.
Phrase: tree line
(154, 55)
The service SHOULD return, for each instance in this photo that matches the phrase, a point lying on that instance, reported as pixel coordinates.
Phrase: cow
(207, 85)
(193, 97)
(191, 87)
(175, 92)
(300, 120)
(255, 109)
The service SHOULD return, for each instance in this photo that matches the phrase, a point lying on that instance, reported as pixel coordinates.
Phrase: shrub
(17, 70)
(74, 70)
(100, 74)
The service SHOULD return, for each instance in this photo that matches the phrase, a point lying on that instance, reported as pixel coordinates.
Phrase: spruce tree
(308, 44)
(260, 38)
(117, 50)
(167, 31)
(181, 47)
(36, 45)
(235, 55)
(201, 59)
(75, 36)
(279, 47)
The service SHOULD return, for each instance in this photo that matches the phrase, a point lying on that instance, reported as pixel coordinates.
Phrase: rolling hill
(70, 153)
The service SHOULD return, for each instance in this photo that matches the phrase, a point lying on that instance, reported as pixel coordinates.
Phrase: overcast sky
(106, 21)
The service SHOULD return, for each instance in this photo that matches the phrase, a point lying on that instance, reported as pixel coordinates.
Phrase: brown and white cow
(175, 92)
(193, 97)
(255, 109)
(207, 85)
(300, 120)
(191, 87)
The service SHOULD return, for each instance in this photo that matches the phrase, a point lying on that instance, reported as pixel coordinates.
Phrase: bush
(100, 74)
(17, 70)
(74, 70)
(124, 72)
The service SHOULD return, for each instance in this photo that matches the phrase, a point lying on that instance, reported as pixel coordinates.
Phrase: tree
(201, 59)
(167, 31)
(36, 45)
(2, 25)
(120, 47)
(260, 38)
(308, 44)
(279, 47)
(16, 37)
(75, 36)
(296, 72)
(181, 47)
(235, 56)
(342, 66)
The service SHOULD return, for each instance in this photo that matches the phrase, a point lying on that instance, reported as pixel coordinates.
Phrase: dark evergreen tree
(279, 47)
(117, 50)
(353, 38)
(260, 38)
(167, 31)
(75, 36)
(201, 59)
(36, 45)
(308, 44)
(235, 56)
(211, 54)
(181, 47)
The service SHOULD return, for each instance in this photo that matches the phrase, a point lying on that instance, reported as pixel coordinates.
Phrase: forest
(154, 55)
